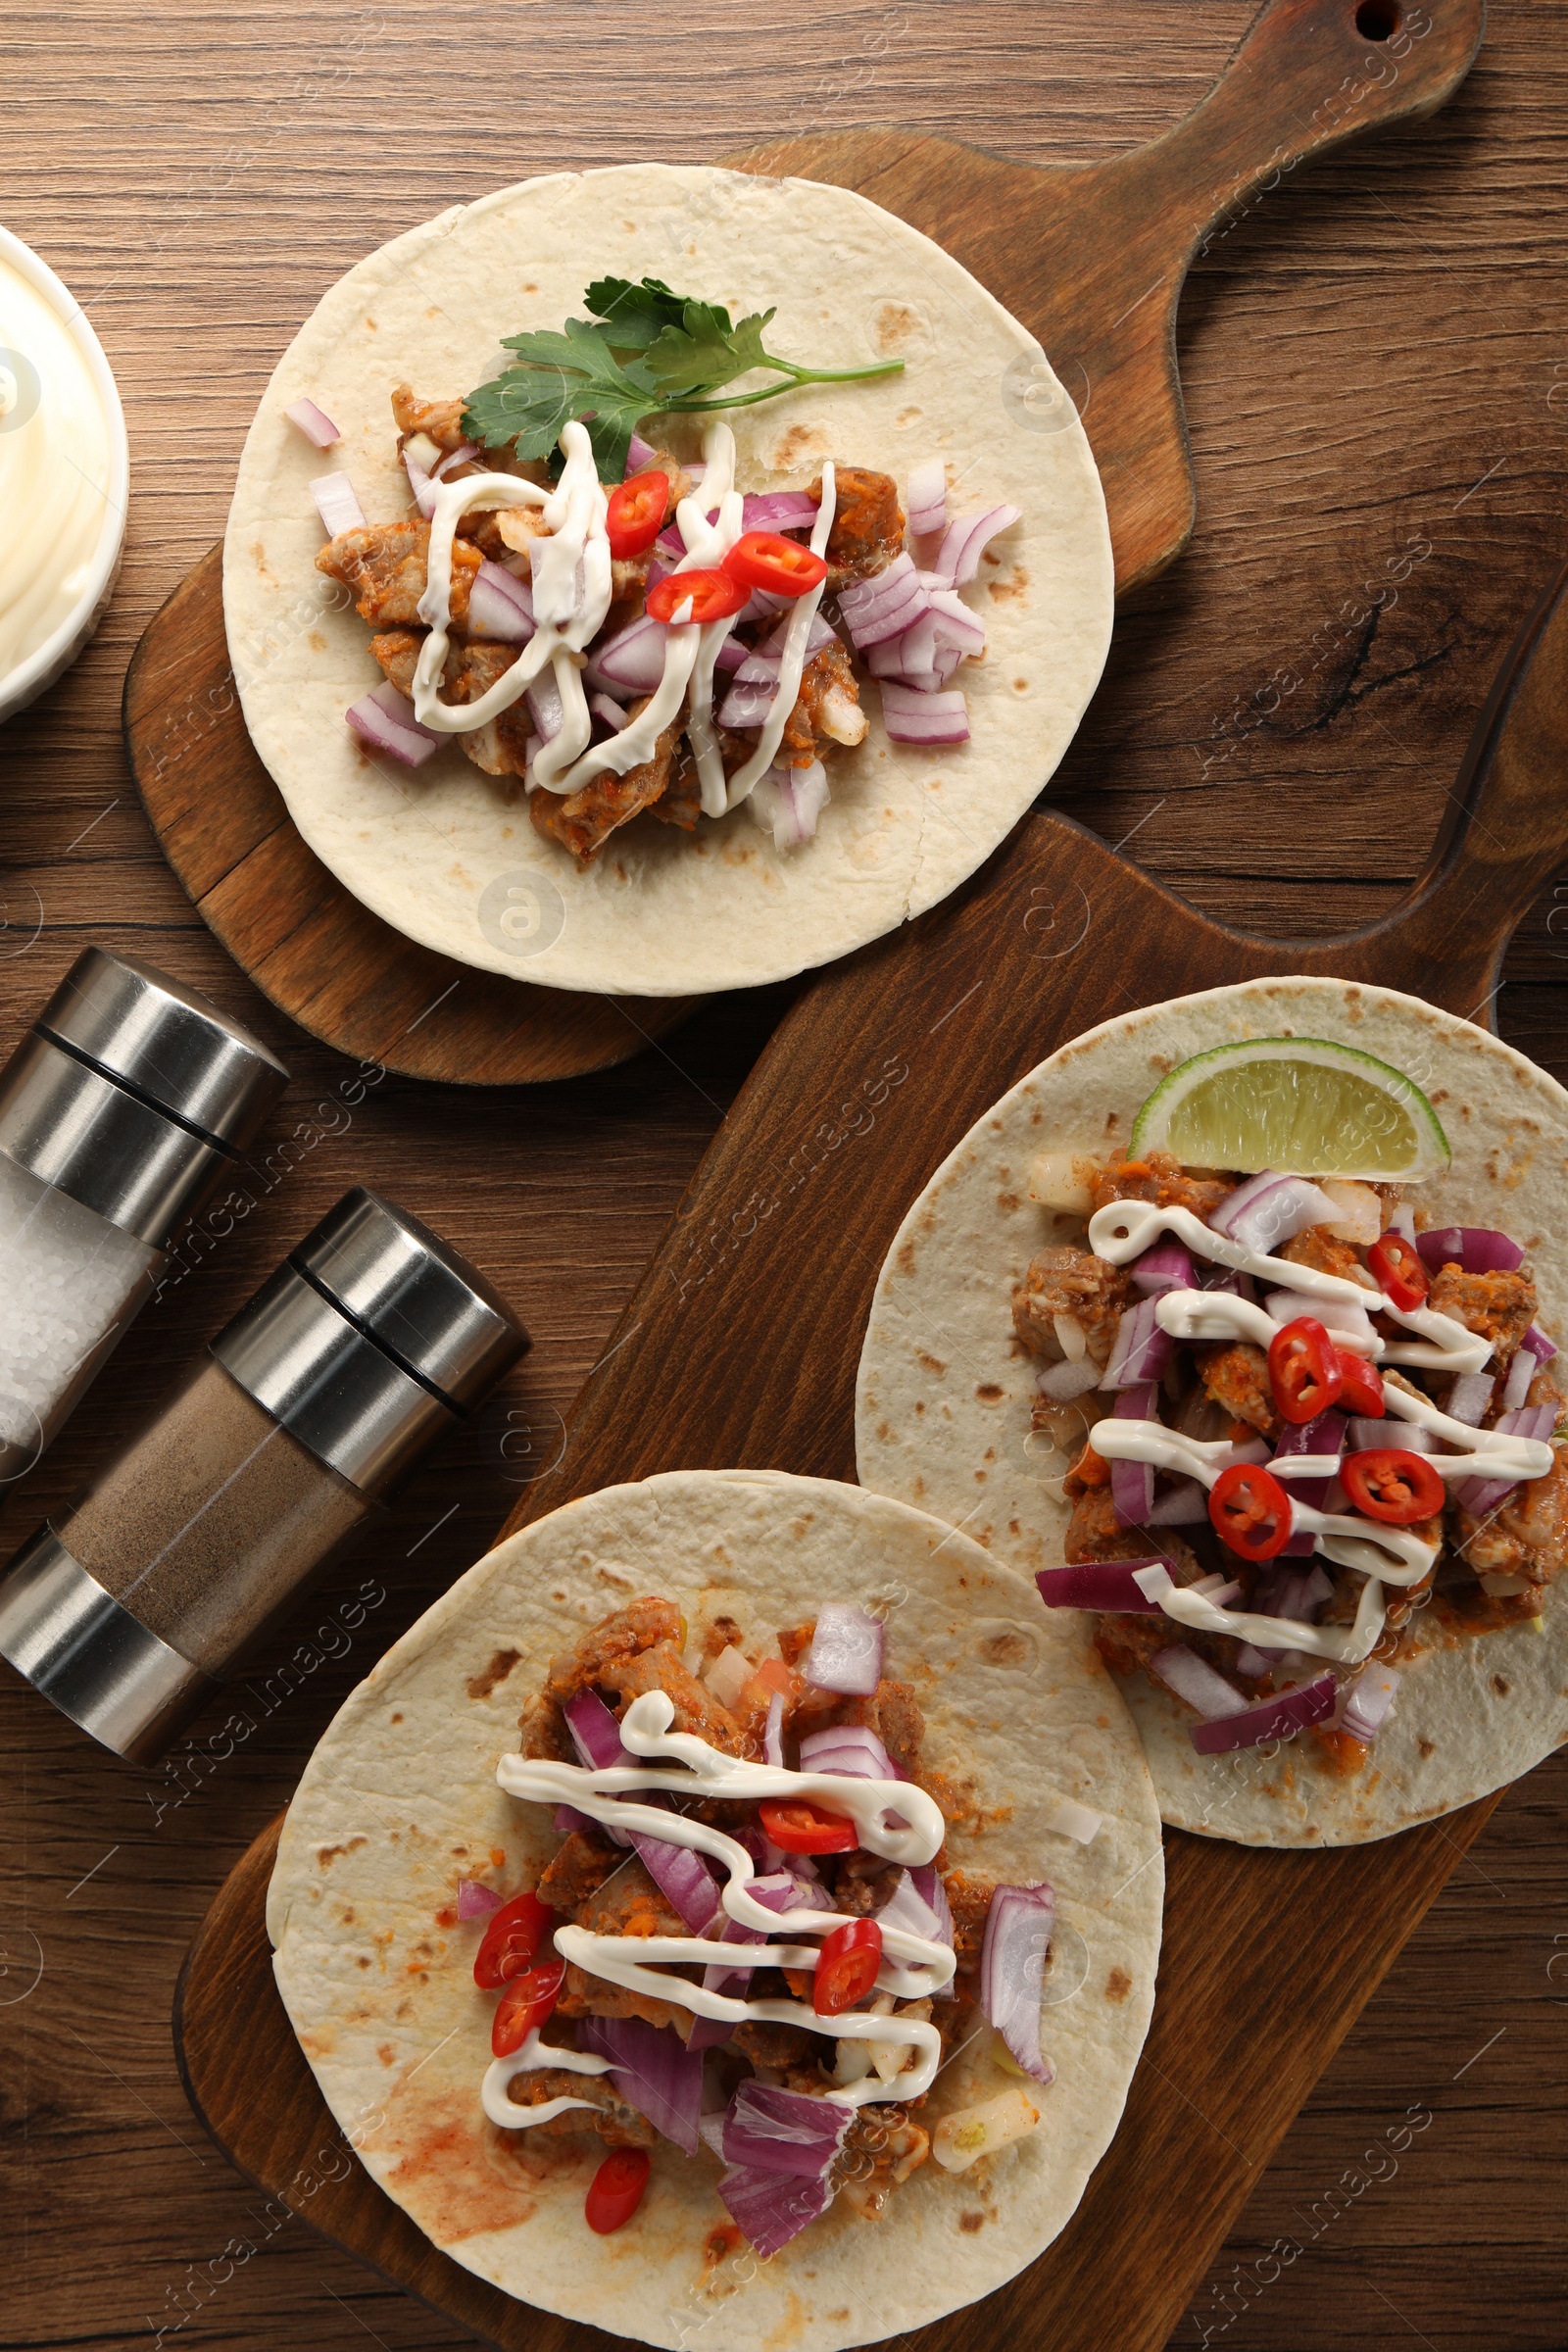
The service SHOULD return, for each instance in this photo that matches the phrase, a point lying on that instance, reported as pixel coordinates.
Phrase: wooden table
(1379, 405)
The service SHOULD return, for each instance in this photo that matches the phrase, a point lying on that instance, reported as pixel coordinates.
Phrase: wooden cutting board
(1091, 257)
(740, 1349)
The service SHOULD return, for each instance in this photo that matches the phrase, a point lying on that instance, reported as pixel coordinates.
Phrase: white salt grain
(68, 1281)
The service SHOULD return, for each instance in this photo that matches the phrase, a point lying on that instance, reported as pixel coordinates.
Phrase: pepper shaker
(119, 1112)
(369, 1343)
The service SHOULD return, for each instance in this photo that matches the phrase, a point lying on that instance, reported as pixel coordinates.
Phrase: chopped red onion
(442, 469)
(846, 1652)
(1185, 1504)
(1101, 1585)
(1321, 1440)
(861, 598)
(1478, 1249)
(908, 1908)
(640, 456)
(957, 559)
(682, 1874)
(1407, 1437)
(1132, 1484)
(927, 1882)
(771, 2208)
(314, 422)
(747, 705)
(652, 2070)
(385, 719)
(1253, 1661)
(1521, 1372)
(1470, 1397)
(850, 1750)
(730, 655)
(1539, 1344)
(778, 510)
(1272, 1211)
(1065, 1381)
(1401, 1220)
(1168, 1266)
(818, 637)
(613, 714)
(568, 1818)
(631, 661)
(778, 2131)
(953, 624)
(545, 707)
(889, 615)
(1142, 1351)
(1366, 1702)
(774, 1732)
(500, 606)
(337, 504)
(926, 497)
(788, 801)
(1013, 1967)
(1271, 1718)
(1291, 1593)
(1481, 1495)
(1192, 1679)
(476, 1900)
(420, 484)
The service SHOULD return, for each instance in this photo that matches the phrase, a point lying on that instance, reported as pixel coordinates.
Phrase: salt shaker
(369, 1343)
(119, 1112)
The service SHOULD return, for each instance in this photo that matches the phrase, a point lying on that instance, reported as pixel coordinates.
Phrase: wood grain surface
(1374, 382)
(1091, 257)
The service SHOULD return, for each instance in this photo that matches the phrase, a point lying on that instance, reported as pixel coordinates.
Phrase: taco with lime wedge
(714, 574)
(1240, 1316)
(731, 1888)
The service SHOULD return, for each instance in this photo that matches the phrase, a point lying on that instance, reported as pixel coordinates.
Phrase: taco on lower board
(735, 1900)
(726, 619)
(1238, 1316)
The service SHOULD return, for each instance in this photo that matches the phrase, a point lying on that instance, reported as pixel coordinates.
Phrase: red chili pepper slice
(510, 1940)
(527, 2002)
(846, 1966)
(1360, 1385)
(1399, 1272)
(636, 514)
(714, 595)
(1250, 1511)
(616, 2189)
(767, 559)
(1303, 1370)
(800, 1828)
(1392, 1485)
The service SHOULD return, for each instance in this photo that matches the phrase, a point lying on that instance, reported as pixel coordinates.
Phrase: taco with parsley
(1240, 1317)
(734, 1885)
(662, 579)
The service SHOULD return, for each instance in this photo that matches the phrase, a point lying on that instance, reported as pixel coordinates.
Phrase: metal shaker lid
(371, 1341)
(416, 1296)
(165, 1043)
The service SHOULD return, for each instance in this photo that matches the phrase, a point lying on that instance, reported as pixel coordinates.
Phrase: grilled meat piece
(584, 820)
(1525, 1535)
(1499, 1307)
(1236, 1375)
(577, 1870)
(1159, 1178)
(867, 530)
(695, 1708)
(1071, 1282)
(682, 801)
(627, 1903)
(440, 421)
(768, 2044)
(863, 1883)
(970, 1893)
(623, 1636)
(618, 2124)
(471, 669)
(828, 706)
(1322, 1249)
(384, 564)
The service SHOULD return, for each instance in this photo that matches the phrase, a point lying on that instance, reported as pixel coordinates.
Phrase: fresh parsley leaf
(637, 315)
(560, 377)
(704, 351)
(686, 352)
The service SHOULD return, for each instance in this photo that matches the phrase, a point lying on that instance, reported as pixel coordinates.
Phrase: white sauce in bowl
(62, 476)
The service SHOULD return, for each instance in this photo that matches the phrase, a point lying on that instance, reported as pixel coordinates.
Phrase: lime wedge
(1302, 1104)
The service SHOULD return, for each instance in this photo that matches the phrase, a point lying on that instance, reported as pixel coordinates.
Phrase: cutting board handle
(1281, 100)
(1503, 834)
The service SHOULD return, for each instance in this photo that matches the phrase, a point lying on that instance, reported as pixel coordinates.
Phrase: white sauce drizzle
(1385, 1555)
(572, 589)
(912, 1966)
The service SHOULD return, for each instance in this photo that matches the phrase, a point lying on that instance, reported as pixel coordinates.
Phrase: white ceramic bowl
(23, 684)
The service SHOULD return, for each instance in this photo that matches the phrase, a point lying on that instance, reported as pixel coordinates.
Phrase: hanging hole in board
(1378, 20)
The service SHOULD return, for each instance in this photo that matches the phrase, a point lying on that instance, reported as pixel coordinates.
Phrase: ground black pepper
(210, 1522)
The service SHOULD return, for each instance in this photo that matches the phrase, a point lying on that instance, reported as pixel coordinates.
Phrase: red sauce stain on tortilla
(492, 1676)
(1118, 1984)
(452, 2172)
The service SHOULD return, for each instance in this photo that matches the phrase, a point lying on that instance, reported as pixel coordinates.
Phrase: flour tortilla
(400, 1801)
(945, 1392)
(448, 854)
